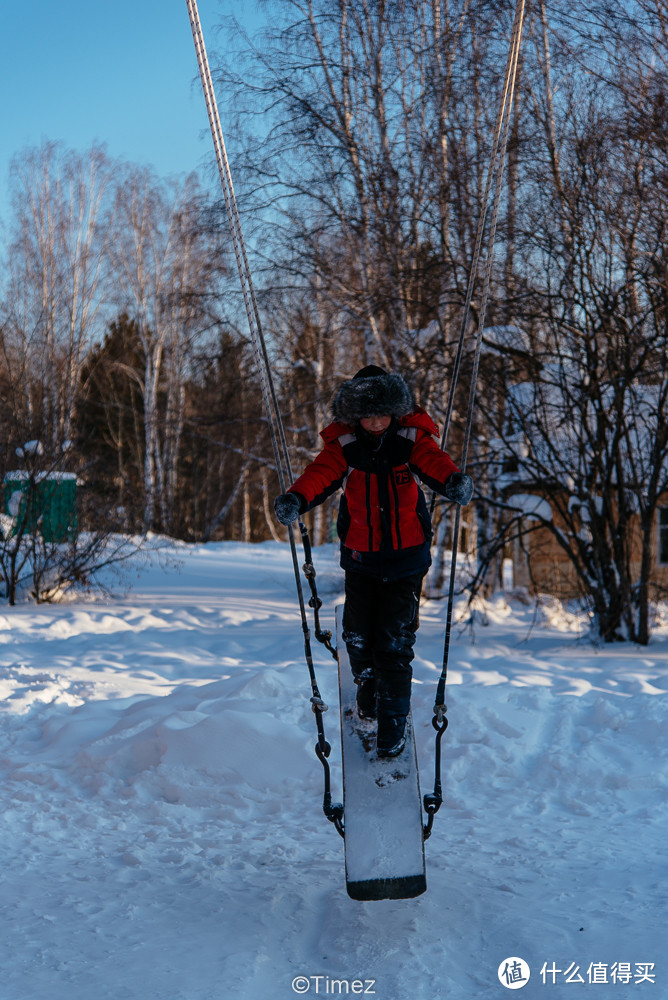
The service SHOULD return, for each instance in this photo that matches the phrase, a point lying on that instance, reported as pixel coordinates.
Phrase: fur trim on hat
(384, 394)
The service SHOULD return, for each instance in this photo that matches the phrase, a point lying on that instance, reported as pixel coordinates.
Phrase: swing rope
(433, 801)
(333, 811)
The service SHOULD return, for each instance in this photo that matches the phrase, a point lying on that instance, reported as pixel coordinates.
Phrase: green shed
(47, 500)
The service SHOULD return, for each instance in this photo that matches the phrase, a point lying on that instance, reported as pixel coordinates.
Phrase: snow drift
(162, 831)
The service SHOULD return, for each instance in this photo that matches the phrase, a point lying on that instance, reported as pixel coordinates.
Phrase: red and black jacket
(383, 522)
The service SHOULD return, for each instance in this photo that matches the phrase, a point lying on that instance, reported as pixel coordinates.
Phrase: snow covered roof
(19, 475)
(531, 506)
(507, 337)
(544, 424)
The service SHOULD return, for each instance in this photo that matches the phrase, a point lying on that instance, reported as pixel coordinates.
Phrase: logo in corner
(514, 973)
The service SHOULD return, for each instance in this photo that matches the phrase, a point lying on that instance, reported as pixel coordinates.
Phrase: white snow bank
(161, 801)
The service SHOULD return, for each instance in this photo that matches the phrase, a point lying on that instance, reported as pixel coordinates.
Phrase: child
(379, 444)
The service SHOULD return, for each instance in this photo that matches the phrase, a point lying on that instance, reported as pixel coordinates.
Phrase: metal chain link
(334, 812)
(432, 802)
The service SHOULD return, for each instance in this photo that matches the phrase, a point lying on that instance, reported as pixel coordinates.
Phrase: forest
(360, 134)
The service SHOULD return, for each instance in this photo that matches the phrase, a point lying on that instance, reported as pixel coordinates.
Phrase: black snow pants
(380, 620)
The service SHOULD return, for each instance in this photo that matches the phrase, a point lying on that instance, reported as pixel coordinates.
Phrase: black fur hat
(372, 392)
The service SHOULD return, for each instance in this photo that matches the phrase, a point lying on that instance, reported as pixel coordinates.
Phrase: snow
(162, 832)
(383, 808)
(21, 476)
(533, 507)
(30, 448)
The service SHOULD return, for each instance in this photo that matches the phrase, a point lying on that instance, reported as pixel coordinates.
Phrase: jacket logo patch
(402, 477)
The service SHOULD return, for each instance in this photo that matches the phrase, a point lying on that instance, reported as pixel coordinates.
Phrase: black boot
(394, 699)
(366, 695)
(391, 737)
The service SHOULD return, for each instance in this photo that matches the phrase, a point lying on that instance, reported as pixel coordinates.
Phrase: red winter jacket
(383, 509)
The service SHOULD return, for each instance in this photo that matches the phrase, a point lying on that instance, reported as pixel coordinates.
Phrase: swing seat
(384, 842)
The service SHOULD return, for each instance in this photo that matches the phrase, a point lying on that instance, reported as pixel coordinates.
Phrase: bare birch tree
(167, 265)
(584, 422)
(54, 288)
(380, 126)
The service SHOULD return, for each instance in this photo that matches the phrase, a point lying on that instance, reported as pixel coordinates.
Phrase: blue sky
(119, 73)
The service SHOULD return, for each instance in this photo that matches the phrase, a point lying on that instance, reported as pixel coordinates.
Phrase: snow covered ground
(162, 834)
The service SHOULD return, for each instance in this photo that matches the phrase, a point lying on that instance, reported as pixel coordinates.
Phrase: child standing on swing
(378, 446)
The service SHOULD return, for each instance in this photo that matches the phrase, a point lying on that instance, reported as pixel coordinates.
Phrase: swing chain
(279, 442)
(432, 802)
(322, 635)
(332, 810)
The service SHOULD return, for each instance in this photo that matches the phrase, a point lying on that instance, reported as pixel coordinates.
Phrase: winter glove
(459, 487)
(286, 507)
